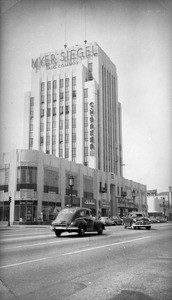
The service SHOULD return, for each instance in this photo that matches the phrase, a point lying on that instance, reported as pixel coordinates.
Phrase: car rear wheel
(148, 227)
(100, 230)
(81, 231)
(58, 233)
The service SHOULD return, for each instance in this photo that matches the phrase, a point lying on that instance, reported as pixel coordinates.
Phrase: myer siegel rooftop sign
(59, 59)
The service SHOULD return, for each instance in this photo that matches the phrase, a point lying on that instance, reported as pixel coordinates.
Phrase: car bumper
(64, 228)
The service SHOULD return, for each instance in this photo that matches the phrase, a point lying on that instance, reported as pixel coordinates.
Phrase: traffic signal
(10, 199)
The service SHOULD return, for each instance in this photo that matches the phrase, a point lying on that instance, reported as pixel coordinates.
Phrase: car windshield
(65, 215)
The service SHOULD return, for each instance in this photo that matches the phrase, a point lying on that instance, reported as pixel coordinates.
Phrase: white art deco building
(72, 110)
(72, 127)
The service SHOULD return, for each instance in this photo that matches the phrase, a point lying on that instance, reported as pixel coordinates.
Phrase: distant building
(159, 204)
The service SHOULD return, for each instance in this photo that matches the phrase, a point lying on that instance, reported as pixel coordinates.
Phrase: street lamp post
(9, 211)
(71, 184)
(164, 206)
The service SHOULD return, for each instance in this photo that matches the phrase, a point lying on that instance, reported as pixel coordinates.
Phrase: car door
(89, 220)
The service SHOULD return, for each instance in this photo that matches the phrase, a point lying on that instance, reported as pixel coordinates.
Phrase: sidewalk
(4, 226)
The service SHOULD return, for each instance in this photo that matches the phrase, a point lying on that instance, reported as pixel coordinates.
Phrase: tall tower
(72, 110)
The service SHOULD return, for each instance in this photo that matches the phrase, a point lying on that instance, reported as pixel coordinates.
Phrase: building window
(73, 94)
(48, 112)
(42, 112)
(42, 86)
(90, 71)
(85, 121)
(67, 95)
(26, 178)
(86, 107)
(67, 151)
(54, 84)
(31, 114)
(42, 127)
(41, 140)
(61, 110)
(67, 109)
(61, 83)
(49, 85)
(61, 138)
(54, 97)
(73, 81)
(31, 101)
(67, 138)
(74, 108)
(54, 139)
(74, 122)
(48, 125)
(61, 96)
(85, 93)
(31, 127)
(54, 111)
(48, 98)
(42, 98)
(61, 124)
(66, 82)
(85, 151)
(48, 140)
(54, 124)
(73, 151)
(73, 137)
(61, 150)
(31, 142)
(67, 124)
(86, 136)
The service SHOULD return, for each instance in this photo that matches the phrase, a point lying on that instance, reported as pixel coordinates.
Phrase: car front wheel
(58, 233)
(100, 230)
(81, 231)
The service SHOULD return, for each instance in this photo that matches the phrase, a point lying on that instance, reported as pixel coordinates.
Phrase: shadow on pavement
(131, 295)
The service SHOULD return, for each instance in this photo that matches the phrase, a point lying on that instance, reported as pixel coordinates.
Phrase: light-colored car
(107, 221)
(116, 220)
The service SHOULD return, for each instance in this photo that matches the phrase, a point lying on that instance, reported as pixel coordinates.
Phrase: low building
(38, 187)
(159, 204)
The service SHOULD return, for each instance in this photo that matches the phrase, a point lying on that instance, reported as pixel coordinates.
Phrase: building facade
(160, 204)
(72, 110)
(38, 185)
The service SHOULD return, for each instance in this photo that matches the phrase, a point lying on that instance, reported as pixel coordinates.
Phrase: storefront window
(4, 211)
(25, 211)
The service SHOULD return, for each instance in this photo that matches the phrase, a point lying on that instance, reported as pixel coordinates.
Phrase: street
(120, 264)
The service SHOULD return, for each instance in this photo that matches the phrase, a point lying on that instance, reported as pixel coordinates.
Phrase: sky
(137, 37)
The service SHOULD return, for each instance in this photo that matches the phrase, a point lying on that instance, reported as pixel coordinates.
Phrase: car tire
(100, 230)
(58, 233)
(148, 228)
(81, 231)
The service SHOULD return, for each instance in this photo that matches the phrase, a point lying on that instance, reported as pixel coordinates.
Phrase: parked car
(76, 219)
(154, 220)
(107, 221)
(116, 220)
(135, 221)
(162, 219)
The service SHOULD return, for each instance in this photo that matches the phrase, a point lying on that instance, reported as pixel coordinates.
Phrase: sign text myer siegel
(64, 58)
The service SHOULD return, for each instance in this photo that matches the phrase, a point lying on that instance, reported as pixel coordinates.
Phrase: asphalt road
(121, 264)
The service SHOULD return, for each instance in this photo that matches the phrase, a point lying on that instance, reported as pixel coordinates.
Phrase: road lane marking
(104, 246)
(24, 262)
(74, 252)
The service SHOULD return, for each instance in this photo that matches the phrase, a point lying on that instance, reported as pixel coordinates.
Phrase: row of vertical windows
(61, 110)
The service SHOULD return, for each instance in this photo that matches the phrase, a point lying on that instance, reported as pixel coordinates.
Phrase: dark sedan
(76, 219)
